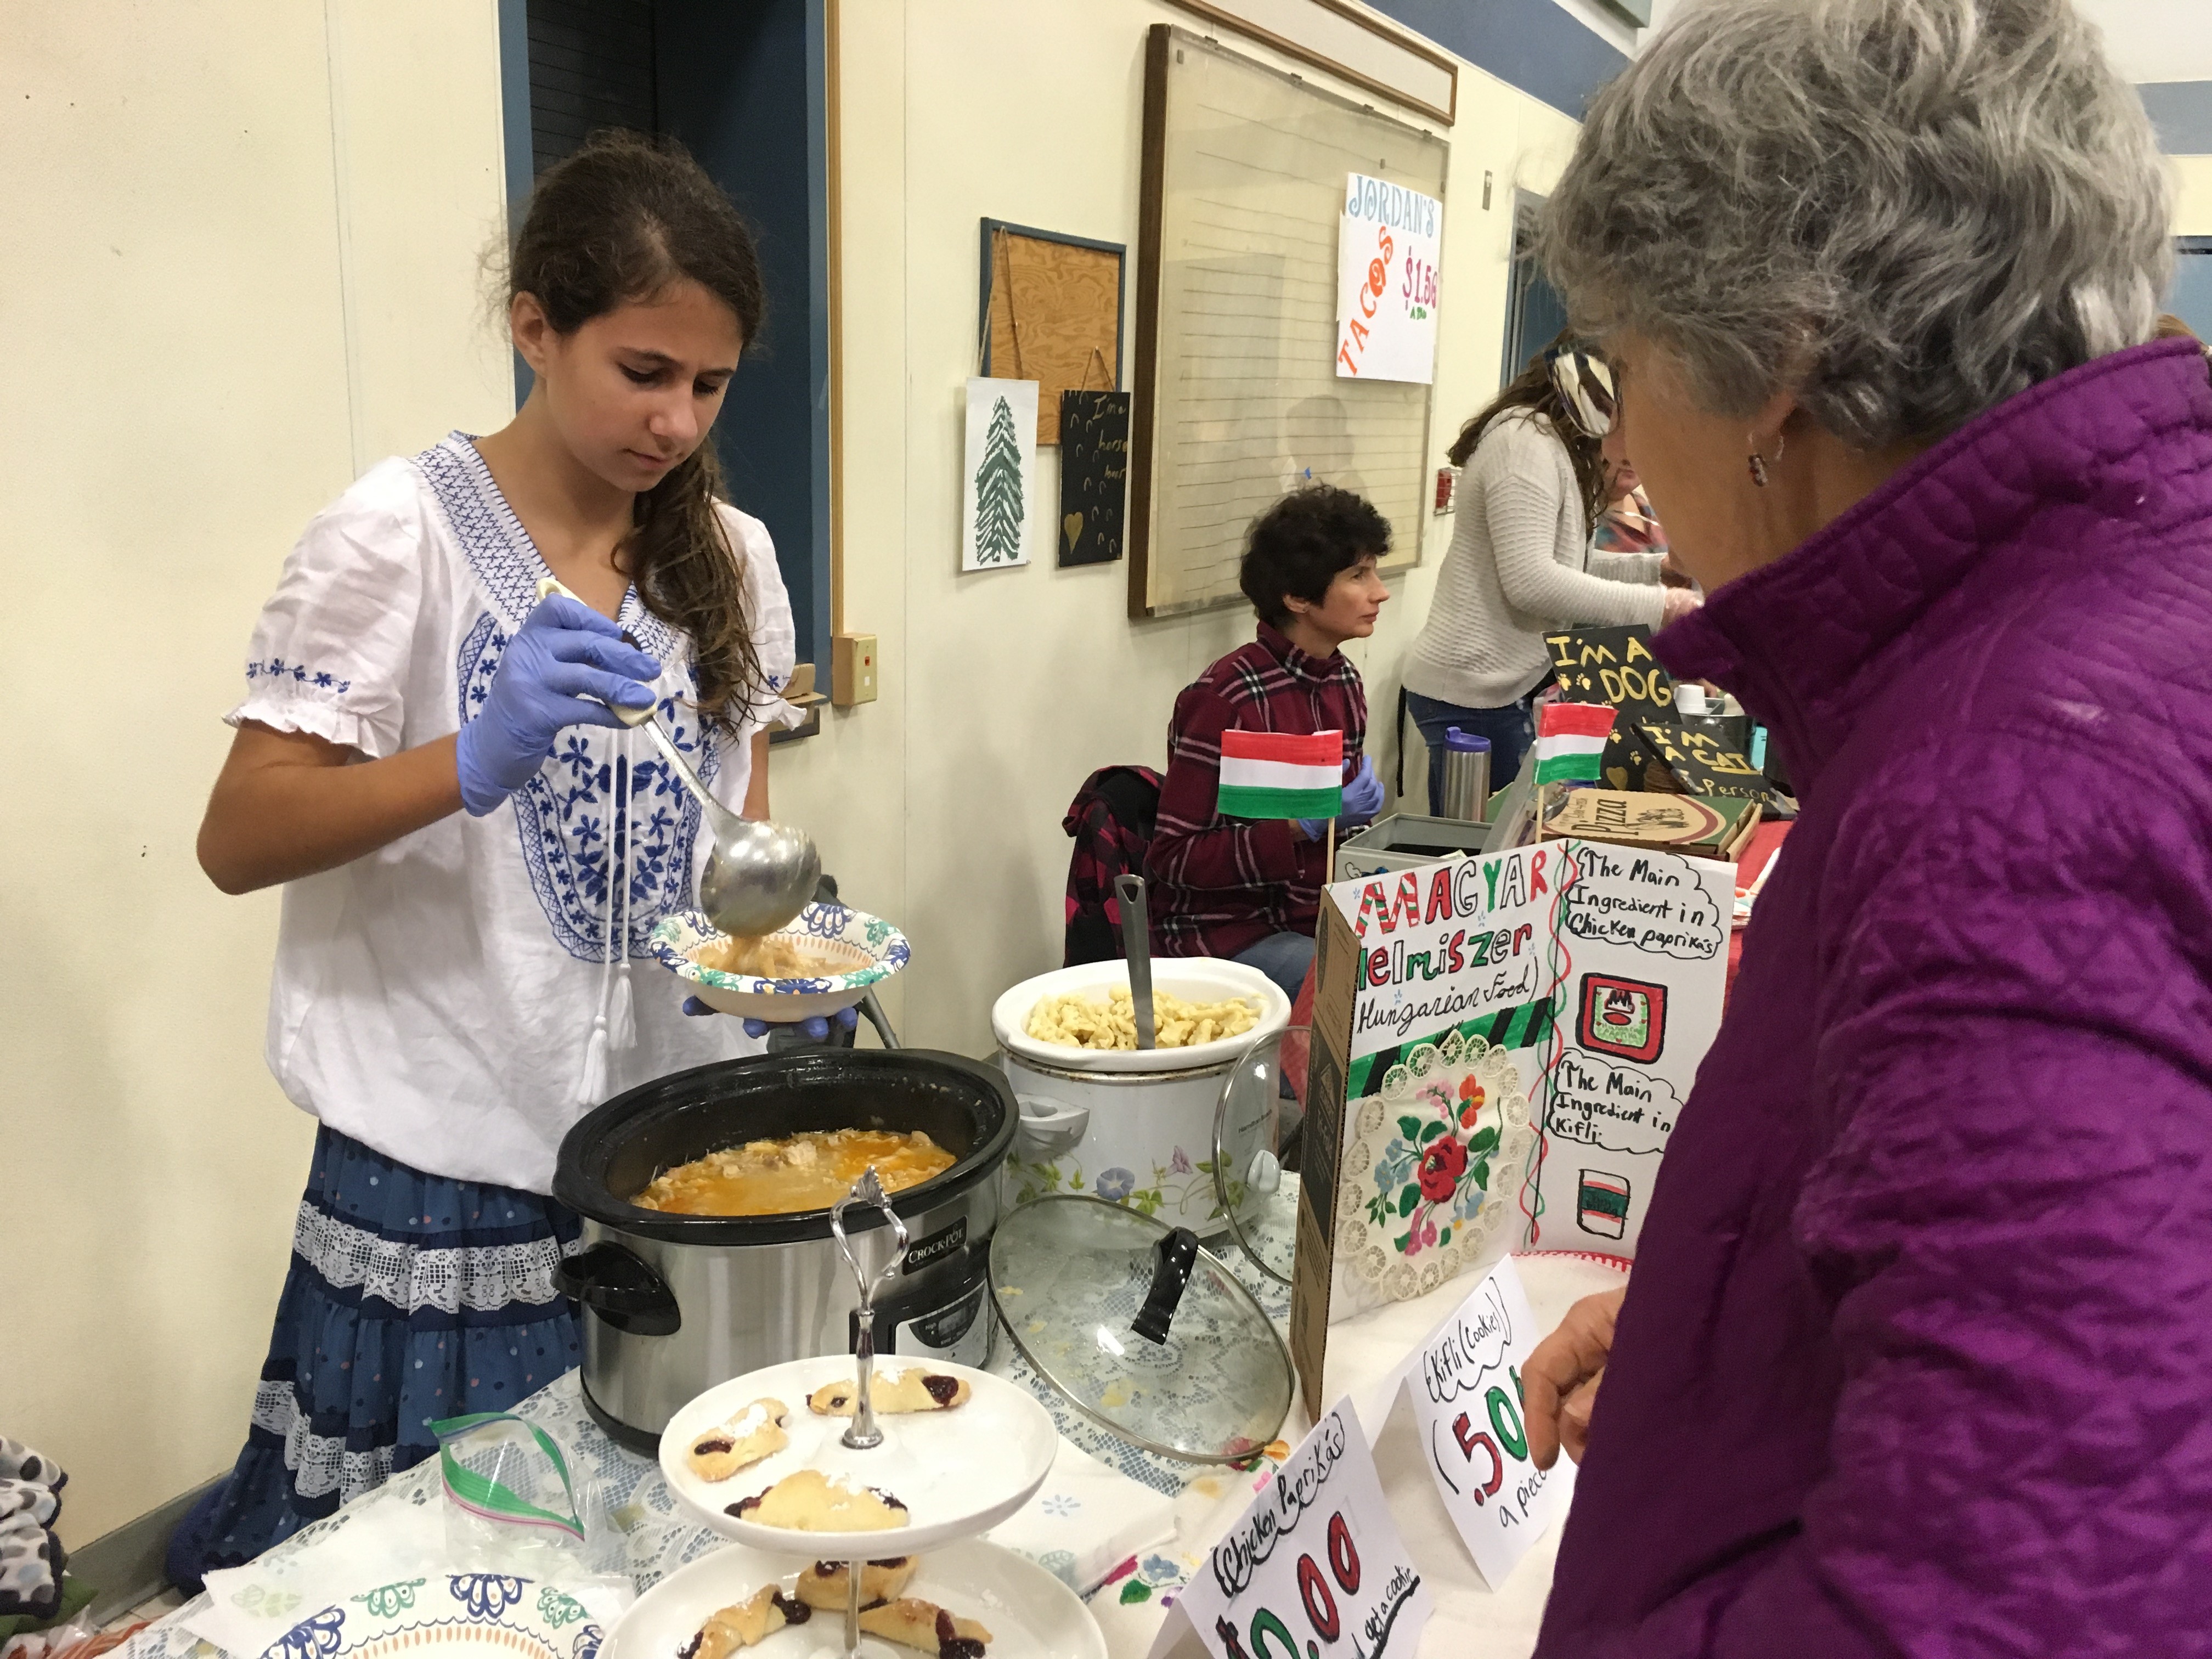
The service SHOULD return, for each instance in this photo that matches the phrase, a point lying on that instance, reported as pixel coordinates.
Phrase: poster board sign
(1462, 1387)
(1615, 665)
(1314, 1561)
(1501, 1045)
(1390, 243)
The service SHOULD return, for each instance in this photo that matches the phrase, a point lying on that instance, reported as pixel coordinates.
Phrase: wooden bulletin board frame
(1232, 16)
(1180, 547)
(1000, 306)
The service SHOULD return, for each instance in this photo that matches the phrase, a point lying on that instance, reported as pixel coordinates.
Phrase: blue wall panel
(2182, 113)
(1534, 45)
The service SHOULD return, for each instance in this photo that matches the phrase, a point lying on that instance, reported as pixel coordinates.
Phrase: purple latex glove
(814, 1029)
(564, 665)
(1362, 797)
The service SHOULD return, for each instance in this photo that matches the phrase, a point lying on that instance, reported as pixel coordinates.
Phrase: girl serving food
(475, 847)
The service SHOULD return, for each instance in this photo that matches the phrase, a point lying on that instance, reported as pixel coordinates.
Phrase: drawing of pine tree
(998, 491)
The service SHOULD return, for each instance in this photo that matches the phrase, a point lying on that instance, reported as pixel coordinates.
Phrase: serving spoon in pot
(759, 875)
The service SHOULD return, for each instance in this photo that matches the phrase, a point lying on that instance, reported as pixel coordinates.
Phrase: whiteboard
(1236, 396)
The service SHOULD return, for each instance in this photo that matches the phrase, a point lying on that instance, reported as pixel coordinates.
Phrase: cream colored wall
(2192, 208)
(245, 268)
(240, 266)
(940, 804)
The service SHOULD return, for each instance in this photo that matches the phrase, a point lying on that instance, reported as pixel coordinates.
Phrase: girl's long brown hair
(1532, 390)
(617, 222)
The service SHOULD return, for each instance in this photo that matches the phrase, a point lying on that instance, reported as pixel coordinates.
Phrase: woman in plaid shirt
(1226, 887)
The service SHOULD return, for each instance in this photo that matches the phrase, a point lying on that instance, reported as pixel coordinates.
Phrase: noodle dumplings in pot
(1131, 1127)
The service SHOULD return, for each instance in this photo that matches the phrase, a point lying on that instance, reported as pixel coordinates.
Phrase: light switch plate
(853, 664)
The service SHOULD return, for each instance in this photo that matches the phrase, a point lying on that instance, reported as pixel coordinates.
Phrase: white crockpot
(1134, 1127)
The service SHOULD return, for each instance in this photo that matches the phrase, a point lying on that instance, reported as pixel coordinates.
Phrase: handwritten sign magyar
(1501, 1048)
(1315, 1566)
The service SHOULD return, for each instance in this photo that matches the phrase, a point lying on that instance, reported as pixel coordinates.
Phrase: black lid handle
(1176, 1254)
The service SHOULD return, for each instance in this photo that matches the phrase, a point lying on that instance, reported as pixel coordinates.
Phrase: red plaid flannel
(1219, 885)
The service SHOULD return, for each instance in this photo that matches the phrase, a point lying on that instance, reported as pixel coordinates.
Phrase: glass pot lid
(1262, 1104)
(1140, 1329)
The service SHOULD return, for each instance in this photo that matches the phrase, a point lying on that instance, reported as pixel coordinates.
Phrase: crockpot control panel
(944, 1316)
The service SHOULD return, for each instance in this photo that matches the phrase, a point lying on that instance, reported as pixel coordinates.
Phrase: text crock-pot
(676, 1303)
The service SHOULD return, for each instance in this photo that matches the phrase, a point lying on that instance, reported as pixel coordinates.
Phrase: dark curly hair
(615, 223)
(1297, 547)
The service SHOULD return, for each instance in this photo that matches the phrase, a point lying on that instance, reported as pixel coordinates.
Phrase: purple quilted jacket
(1917, 1357)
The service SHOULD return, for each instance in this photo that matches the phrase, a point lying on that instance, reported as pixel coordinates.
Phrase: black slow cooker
(676, 1303)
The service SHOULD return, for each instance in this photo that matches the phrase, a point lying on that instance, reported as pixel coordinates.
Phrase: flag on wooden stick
(1570, 741)
(1282, 774)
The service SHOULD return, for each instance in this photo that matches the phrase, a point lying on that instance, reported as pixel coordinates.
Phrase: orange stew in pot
(807, 1171)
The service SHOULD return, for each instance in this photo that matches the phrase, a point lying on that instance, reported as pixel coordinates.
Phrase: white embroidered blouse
(435, 999)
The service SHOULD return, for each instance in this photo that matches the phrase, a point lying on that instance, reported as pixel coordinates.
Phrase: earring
(1758, 475)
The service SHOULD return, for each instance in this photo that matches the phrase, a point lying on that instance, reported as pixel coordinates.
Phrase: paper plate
(874, 949)
(463, 1615)
(958, 1472)
(1030, 1613)
(1194, 979)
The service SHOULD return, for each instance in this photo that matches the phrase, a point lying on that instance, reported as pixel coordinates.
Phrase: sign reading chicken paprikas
(1501, 1045)
(1389, 245)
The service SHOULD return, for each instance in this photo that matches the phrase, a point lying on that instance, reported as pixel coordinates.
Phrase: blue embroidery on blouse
(566, 819)
(499, 550)
(299, 673)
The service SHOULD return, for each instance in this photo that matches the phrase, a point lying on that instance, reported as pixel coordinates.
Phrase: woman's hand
(565, 665)
(1676, 603)
(1560, 1382)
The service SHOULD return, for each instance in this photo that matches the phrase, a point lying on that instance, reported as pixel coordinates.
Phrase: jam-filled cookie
(753, 1434)
(811, 1501)
(824, 1584)
(914, 1390)
(913, 1623)
(744, 1624)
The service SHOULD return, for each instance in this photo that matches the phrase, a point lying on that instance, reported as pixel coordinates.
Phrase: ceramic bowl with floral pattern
(867, 949)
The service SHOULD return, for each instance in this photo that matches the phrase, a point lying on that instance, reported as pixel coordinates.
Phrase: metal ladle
(758, 875)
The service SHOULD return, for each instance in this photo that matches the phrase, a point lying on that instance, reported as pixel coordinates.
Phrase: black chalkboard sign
(1094, 476)
(1615, 665)
(1695, 763)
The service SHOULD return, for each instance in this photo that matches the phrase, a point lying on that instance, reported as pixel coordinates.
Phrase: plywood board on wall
(1052, 313)
(1237, 394)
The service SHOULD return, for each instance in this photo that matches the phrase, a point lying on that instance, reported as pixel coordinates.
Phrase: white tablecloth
(1471, 1622)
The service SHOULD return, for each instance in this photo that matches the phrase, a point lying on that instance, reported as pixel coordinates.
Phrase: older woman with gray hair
(1917, 1357)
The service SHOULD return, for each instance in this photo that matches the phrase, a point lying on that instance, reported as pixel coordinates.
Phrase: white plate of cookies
(761, 1458)
(971, 1596)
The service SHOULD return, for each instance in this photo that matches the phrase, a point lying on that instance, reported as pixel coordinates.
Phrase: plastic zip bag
(511, 1505)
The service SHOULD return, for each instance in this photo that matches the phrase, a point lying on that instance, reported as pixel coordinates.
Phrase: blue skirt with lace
(411, 1297)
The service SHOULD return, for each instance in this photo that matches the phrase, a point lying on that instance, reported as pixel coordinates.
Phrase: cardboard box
(1402, 841)
(1701, 826)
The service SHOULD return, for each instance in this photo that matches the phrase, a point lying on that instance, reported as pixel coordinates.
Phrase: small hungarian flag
(1570, 739)
(1282, 774)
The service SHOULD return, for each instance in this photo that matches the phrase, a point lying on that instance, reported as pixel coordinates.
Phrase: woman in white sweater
(1520, 567)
